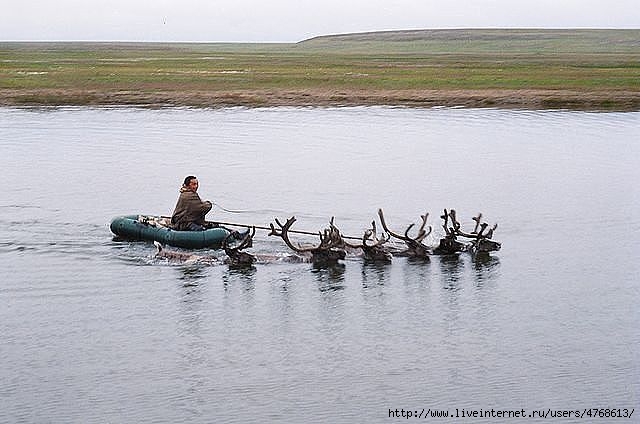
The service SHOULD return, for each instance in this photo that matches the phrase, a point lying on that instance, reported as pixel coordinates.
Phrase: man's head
(191, 183)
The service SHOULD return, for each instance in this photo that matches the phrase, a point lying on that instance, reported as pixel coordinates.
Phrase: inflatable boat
(156, 228)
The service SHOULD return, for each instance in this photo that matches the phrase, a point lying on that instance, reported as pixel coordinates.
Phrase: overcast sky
(289, 20)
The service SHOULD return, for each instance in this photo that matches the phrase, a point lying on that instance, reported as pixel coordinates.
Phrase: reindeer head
(415, 248)
(449, 244)
(480, 242)
(375, 251)
(487, 246)
(235, 255)
(328, 252)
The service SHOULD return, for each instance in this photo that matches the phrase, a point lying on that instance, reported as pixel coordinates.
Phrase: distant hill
(488, 40)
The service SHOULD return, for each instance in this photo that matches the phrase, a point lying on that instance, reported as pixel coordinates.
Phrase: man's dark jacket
(189, 209)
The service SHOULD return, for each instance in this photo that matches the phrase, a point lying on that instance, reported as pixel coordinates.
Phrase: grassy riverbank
(574, 69)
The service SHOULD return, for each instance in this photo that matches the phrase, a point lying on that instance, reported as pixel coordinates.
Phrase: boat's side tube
(211, 238)
(128, 227)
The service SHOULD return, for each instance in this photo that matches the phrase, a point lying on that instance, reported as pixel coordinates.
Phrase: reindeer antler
(331, 237)
(370, 235)
(480, 242)
(283, 233)
(235, 254)
(421, 232)
(475, 234)
(448, 231)
(477, 220)
(374, 251)
(384, 225)
(328, 251)
(416, 248)
(247, 240)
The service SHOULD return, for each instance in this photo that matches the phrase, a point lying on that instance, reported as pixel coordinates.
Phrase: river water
(93, 330)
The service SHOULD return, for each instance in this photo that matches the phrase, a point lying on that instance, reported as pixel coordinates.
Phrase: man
(190, 210)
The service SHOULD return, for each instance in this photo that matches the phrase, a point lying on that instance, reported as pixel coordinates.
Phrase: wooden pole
(310, 233)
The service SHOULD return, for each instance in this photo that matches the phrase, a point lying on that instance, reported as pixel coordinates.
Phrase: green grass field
(591, 69)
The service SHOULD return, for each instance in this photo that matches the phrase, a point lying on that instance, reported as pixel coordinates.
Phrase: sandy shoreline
(498, 98)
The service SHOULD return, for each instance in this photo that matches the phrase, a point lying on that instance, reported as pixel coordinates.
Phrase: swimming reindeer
(235, 255)
(328, 252)
(415, 247)
(372, 247)
(449, 244)
(479, 242)
(182, 257)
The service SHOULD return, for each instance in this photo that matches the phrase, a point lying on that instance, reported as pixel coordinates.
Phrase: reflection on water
(329, 277)
(487, 268)
(451, 268)
(244, 272)
(239, 276)
(374, 273)
(191, 273)
(97, 330)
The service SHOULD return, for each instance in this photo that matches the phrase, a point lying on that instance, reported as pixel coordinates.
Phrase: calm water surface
(96, 331)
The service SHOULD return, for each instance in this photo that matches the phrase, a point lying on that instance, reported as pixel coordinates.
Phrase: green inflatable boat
(156, 228)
